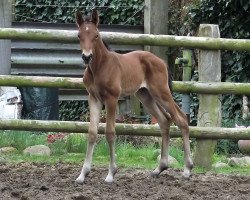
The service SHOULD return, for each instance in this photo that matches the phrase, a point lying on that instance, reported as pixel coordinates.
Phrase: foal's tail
(170, 79)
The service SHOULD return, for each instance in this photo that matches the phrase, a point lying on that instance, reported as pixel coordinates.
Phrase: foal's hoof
(155, 174)
(158, 170)
(110, 177)
(79, 180)
(186, 174)
(109, 180)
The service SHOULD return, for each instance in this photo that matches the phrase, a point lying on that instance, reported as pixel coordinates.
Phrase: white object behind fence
(10, 103)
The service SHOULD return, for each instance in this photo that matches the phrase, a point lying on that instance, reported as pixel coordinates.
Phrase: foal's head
(88, 34)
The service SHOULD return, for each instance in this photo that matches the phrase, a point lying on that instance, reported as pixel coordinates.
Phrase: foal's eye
(78, 36)
(96, 37)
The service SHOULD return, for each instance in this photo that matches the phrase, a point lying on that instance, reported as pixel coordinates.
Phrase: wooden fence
(204, 88)
(77, 83)
(123, 129)
(129, 39)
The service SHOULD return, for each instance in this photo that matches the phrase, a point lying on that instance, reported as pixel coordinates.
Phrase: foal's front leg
(110, 104)
(95, 107)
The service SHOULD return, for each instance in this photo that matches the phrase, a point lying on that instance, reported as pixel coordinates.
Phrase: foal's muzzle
(87, 59)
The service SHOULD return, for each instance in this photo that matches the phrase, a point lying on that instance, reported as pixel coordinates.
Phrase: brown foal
(110, 75)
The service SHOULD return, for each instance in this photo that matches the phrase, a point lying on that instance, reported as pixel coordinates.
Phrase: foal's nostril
(86, 59)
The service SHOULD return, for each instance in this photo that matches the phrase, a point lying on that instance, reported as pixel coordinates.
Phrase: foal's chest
(97, 88)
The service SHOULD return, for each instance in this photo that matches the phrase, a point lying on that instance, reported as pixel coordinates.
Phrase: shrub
(231, 16)
(63, 11)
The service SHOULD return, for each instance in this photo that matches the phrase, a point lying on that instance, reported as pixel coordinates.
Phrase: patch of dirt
(38, 181)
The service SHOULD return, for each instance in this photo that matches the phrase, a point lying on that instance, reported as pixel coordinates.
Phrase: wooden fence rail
(76, 83)
(123, 129)
(129, 38)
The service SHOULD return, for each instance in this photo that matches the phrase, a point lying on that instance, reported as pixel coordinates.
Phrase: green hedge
(63, 11)
(233, 19)
(232, 16)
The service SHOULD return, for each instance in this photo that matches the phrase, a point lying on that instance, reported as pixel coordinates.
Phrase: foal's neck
(100, 53)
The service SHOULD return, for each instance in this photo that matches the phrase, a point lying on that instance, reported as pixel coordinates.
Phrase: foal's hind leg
(150, 104)
(95, 107)
(164, 97)
(182, 123)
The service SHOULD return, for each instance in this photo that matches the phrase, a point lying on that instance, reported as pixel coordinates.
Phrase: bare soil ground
(38, 181)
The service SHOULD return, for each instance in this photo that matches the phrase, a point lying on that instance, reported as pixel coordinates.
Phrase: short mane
(106, 45)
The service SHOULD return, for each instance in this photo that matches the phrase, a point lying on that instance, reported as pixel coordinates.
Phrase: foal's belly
(133, 89)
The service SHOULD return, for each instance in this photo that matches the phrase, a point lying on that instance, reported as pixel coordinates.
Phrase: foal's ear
(79, 19)
(95, 17)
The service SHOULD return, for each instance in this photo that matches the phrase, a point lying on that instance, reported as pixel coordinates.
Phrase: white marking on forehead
(87, 28)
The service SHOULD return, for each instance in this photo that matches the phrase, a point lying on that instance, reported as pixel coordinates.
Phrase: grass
(72, 150)
(20, 140)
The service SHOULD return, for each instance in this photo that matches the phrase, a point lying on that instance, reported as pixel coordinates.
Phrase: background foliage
(62, 11)
(73, 110)
(232, 16)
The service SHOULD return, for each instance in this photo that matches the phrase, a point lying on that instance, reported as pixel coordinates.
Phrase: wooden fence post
(155, 22)
(186, 76)
(209, 114)
(5, 45)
